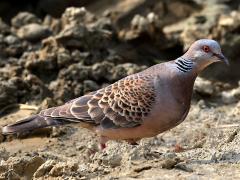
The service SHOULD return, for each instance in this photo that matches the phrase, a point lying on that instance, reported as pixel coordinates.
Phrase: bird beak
(222, 58)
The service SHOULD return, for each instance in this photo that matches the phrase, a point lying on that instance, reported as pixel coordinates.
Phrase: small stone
(58, 131)
(33, 32)
(24, 18)
(24, 166)
(4, 28)
(32, 165)
(169, 163)
(140, 23)
(112, 160)
(231, 96)
(11, 39)
(183, 167)
(4, 155)
(63, 59)
(89, 85)
(63, 168)
(122, 70)
(12, 175)
(226, 21)
(73, 15)
(1, 137)
(44, 168)
(203, 86)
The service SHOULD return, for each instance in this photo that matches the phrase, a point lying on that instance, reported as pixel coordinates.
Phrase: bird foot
(132, 142)
(178, 148)
(102, 146)
(103, 141)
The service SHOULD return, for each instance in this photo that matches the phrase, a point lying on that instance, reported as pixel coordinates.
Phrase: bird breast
(171, 106)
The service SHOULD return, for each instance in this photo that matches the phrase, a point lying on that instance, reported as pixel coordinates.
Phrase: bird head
(205, 52)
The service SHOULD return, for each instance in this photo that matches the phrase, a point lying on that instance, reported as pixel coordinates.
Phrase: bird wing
(122, 104)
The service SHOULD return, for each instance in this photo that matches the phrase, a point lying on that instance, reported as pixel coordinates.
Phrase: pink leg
(103, 141)
(132, 141)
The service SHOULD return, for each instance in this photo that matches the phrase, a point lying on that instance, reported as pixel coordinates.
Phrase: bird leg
(132, 141)
(103, 141)
(178, 148)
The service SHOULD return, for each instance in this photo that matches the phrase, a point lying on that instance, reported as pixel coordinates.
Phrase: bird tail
(31, 123)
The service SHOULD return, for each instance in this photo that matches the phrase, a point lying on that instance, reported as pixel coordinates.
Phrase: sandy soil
(204, 146)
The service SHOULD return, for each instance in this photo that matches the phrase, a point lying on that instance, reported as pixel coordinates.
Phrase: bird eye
(206, 49)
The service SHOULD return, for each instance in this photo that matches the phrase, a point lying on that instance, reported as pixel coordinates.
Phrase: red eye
(206, 49)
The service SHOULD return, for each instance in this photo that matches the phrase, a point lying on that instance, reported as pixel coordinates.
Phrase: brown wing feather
(122, 104)
(127, 101)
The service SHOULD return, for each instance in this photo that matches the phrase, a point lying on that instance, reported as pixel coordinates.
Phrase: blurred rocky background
(52, 51)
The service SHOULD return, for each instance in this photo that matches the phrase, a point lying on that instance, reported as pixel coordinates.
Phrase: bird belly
(167, 114)
(152, 126)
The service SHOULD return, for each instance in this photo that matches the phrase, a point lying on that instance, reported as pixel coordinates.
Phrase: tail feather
(31, 123)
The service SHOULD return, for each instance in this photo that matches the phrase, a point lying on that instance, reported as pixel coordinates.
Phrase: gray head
(204, 52)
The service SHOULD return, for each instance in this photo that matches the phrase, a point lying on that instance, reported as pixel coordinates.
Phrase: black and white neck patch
(184, 65)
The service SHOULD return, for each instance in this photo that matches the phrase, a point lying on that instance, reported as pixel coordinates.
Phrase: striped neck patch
(184, 65)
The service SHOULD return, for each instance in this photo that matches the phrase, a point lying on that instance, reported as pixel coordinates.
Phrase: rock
(24, 18)
(36, 90)
(227, 24)
(62, 91)
(89, 85)
(169, 163)
(77, 72)
(12, 175)
(64, 58)
(139, 23)
(73, 15)
(33, 32)
(44, 169)
(4, 28)
(7, 93)
(230, 21)
(37, 64)
(112, 160)
(102, 71)
(22, 167)
(1, 137)
(15, 47)
(231, 96)
(142, 25)
(32, 165)
(200, 25)
(58, 131)
(78, 56)
(63, 168)
(11, 39)
(123, 70)
(204, 86)
(184, 167)
(79, 30)
(4, 155)
(236, 110)
(80, 36)
(54, 24)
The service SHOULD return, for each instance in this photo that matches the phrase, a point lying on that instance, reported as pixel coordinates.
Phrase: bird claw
(132, 142)
(103, 141)
(102, 146)
(178, 148)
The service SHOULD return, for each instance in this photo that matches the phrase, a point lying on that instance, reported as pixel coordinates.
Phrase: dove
(138, 106)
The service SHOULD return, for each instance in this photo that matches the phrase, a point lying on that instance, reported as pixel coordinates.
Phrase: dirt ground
(204, 146)
(48, 57)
